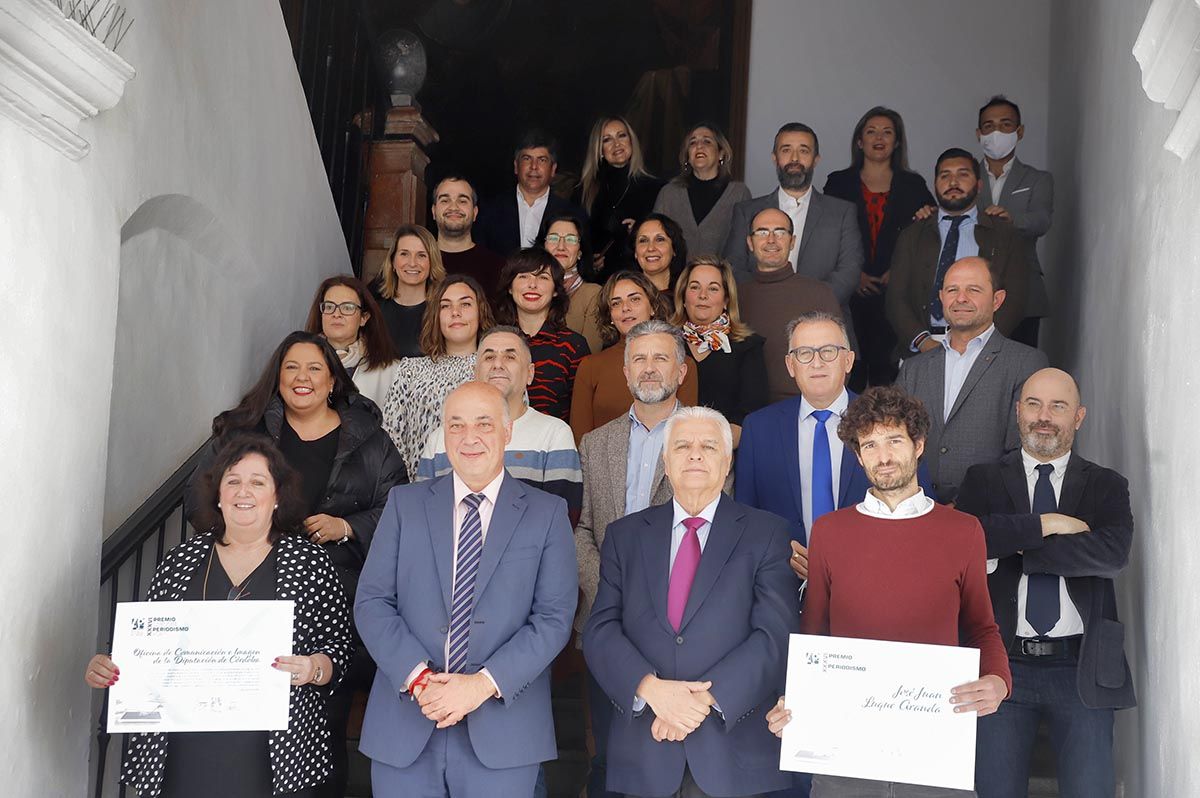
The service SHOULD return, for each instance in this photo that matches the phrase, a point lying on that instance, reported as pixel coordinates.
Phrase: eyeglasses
(805, 354)
(763, 232)
(345, 308)
(554, 238)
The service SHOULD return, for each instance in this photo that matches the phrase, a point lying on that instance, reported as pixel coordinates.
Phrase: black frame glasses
(805, 354)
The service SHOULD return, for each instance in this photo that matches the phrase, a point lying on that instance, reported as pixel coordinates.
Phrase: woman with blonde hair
(616, 190)
(728, 354)
(412, 267)
(701, 198)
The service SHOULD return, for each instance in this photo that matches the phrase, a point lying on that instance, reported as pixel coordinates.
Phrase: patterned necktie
(948, 256)
(1041, 596)
(470, 549)
(683, 572)
(822, 467)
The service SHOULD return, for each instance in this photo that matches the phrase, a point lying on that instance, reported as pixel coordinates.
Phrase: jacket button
(945, 449)
(679, 641)
(443, 630)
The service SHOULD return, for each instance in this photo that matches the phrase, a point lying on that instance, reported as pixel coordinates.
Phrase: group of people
(669, 425)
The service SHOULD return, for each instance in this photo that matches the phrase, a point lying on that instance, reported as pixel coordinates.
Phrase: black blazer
(734, 382)
(998, 494)
(499, 227)
(909, 194)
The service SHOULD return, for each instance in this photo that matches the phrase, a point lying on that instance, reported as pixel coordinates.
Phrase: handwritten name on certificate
(200, 666)
(870, 709)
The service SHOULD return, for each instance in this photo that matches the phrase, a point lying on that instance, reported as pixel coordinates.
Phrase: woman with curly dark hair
(533, 297)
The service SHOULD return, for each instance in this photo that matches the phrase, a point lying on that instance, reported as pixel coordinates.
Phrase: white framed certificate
(200, 666)
(871, 709)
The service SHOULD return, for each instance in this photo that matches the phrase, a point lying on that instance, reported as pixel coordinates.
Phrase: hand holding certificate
(201, 666)
(878, 710)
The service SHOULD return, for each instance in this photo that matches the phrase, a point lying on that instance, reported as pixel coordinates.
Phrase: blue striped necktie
(470, 549)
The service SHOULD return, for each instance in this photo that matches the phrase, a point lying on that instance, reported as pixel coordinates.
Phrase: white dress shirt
(959, 366)
(998, 182)
(530, 216)
(808, 429)
(797, 211)
(1069, 621)
(914, 506)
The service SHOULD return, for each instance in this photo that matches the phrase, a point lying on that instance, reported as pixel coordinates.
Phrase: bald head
(770, 239)
(1049, 413)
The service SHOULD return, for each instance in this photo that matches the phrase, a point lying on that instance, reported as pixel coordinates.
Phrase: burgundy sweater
(909, 580)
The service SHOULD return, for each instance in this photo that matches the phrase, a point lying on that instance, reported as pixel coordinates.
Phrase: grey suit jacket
(830, 244)
(603, 455)
(708, 237)
(982, 424)
(1028, 196)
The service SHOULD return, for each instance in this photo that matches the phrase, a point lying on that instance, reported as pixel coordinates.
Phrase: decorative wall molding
(54, 74)
(1168, 51)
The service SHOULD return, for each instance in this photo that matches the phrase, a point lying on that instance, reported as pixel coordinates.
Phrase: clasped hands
(679, 707)
(447, 698)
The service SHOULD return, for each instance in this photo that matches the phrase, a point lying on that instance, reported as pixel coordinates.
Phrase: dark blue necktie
(822, 468)
(1041, 597)
(948, 256)
(462, 605)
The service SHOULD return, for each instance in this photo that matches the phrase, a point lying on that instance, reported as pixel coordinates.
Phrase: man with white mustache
(1016, 192)
(1058, 530)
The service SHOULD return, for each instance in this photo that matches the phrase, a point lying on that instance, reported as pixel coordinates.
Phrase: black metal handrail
(127, 562)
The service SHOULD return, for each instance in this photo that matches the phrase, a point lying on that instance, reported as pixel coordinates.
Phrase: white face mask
(997, 145)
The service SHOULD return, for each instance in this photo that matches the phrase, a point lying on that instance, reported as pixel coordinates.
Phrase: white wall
(826, 63)
(216, 113)
(1127, 239)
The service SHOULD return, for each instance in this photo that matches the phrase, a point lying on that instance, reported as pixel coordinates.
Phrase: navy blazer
(743, 604)
(767, 468)
(499, 225)
(998, 494)
(525, 594)
(909, 193)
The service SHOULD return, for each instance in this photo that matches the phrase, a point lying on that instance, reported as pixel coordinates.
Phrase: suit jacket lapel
(1015, 176)
(811, 220)
(1074, 481)
(726, 530)
(789, 430)
(656, 554)
(439, 513)
(1012, 473)
(982, 363)
(620, 466)
(510, 506)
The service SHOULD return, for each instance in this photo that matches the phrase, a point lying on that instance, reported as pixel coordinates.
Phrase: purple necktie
(683, 572)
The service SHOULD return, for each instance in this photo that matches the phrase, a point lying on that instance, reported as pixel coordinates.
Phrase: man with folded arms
(900, 567)
(688, 634)
(1059, 529)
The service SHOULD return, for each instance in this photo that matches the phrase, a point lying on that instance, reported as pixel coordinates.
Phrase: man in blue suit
(465, 599)
(688, 634)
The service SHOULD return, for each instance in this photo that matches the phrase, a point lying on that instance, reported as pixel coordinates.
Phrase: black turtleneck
(703, 194)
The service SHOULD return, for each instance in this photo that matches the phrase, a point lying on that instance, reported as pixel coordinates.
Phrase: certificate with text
(871, 709)
(200, 666)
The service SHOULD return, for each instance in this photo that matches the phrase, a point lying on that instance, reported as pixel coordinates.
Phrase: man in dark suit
(509, 222)
(826, 245)
(1017, 193)
(466, 597)
(688, 635)
(1058, 530)
(971, 380)
(927, 248)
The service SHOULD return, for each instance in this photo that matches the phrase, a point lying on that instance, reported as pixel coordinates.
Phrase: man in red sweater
(899, 566)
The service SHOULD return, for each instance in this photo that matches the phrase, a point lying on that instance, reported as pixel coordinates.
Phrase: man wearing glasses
(778, 294)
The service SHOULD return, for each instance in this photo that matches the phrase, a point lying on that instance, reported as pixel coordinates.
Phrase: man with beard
(455, 208)
(655, 365)
(826, 244)
(898, 566)
(927, 248)
(1058, 529)
(777, 295)
(971, 380)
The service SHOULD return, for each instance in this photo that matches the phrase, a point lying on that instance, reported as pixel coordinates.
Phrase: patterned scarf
(708, 337)
(572, 280)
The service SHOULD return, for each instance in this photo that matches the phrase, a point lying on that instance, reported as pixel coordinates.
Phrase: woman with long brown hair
(412, 268)
(344, 311)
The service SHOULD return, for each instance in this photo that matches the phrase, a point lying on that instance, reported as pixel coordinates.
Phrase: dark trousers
(602, 712)
(688, 789)
(842, 787)
(1082, 738)
(876, 344)
(338, 705)
(1027, 331)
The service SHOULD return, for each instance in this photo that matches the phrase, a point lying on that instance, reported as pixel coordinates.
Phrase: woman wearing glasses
(305, 402)
(344, 311)
(701, 198)
(561, 237)
(251, 548)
